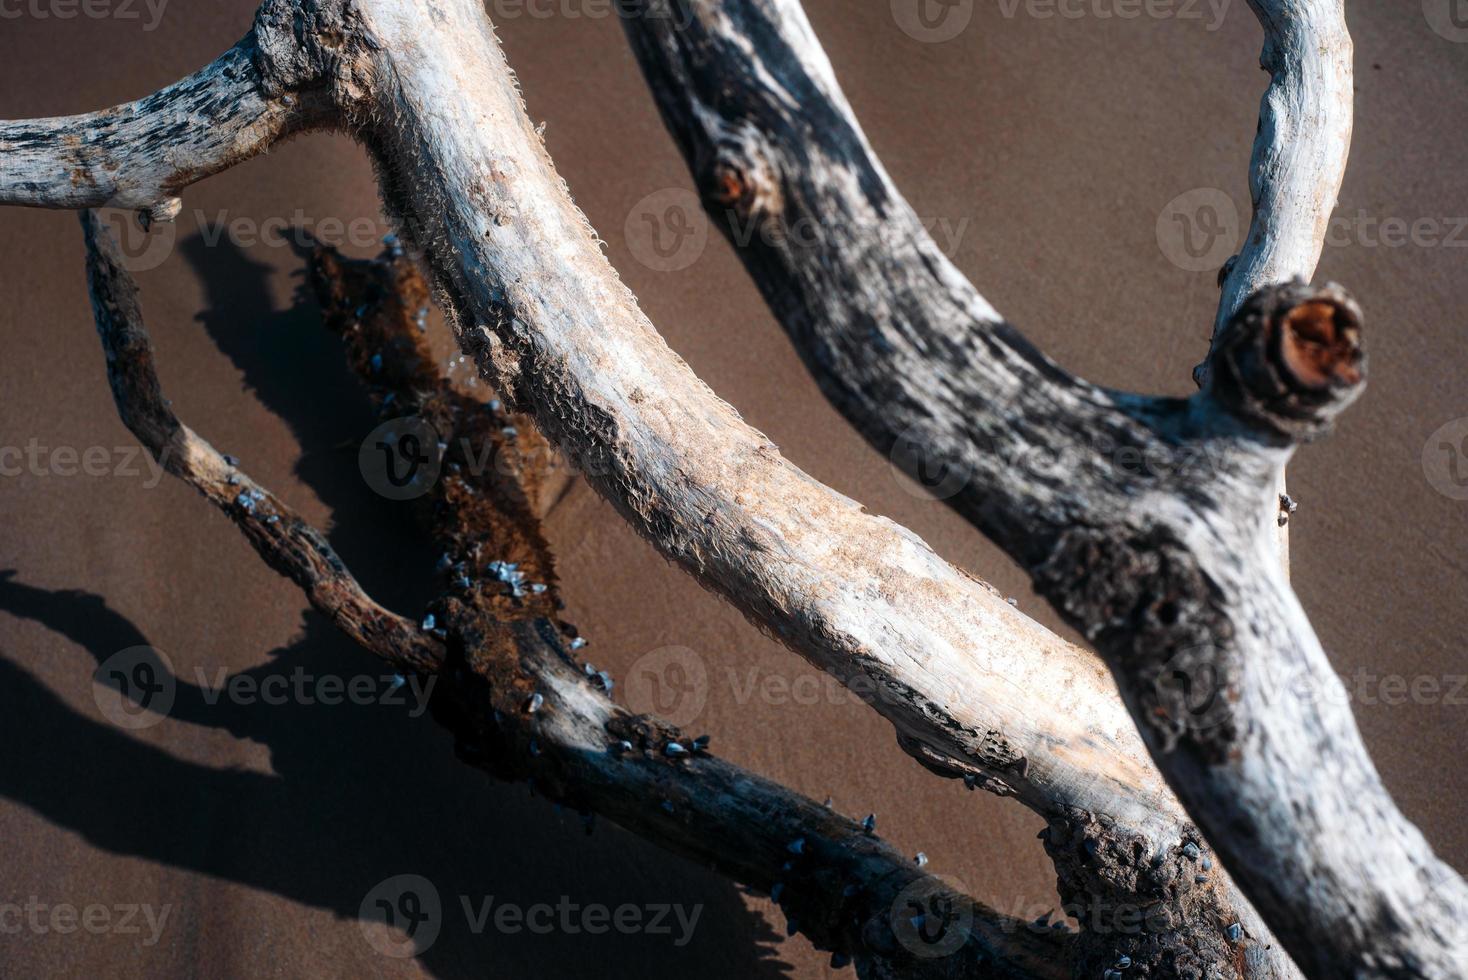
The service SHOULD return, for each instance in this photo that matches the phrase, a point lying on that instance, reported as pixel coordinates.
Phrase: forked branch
(974, 688)
(1148, 523)
(141, 155)
(1169, 572)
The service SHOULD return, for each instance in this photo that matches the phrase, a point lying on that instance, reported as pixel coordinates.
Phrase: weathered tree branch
(142, 154)
(837, 883)
(1031, 717)
(1161, 569)
(1299, 160)
(520, 705)
(286, 542)
(548, 320)
(1148, 523)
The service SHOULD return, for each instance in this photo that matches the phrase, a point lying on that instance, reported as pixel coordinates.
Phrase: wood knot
(728, 186)
(1291, 359)
(1320, 344)
(741, 184)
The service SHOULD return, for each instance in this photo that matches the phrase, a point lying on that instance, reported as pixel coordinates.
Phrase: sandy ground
(1043, 149)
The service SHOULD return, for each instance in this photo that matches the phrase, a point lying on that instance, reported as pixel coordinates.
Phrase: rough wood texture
(1298, 163)
(520, 704)
(973, 687)
(140, 155)
(1300, 150)
(1149, 523)
(1171, 571)
(838, 884)
(288, 544)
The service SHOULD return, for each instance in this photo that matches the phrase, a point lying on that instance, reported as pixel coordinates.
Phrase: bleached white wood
(141, 154)
(846, 888)
(1163, 568)
(1151, 566)
(1299, 159)
(1300, 149)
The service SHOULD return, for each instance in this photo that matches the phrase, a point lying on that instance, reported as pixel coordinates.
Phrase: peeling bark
(142, 154)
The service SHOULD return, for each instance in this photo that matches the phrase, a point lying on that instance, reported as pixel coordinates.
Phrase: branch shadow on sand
(358, 792)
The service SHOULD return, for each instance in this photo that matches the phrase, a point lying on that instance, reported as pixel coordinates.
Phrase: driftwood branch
(518, 701)
(1148, 523)
(286, 542)
(142, 154)
(1298, 163)
(974, 688)
(1164, 565)
(1299, 160)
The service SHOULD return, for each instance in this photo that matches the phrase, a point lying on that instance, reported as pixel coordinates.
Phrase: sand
(1043, 149)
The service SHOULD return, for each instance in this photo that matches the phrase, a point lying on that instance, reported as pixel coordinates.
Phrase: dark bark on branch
(1169, 569)
(841, 886)
(1148, 523)
(288, 544)
(520, 704)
